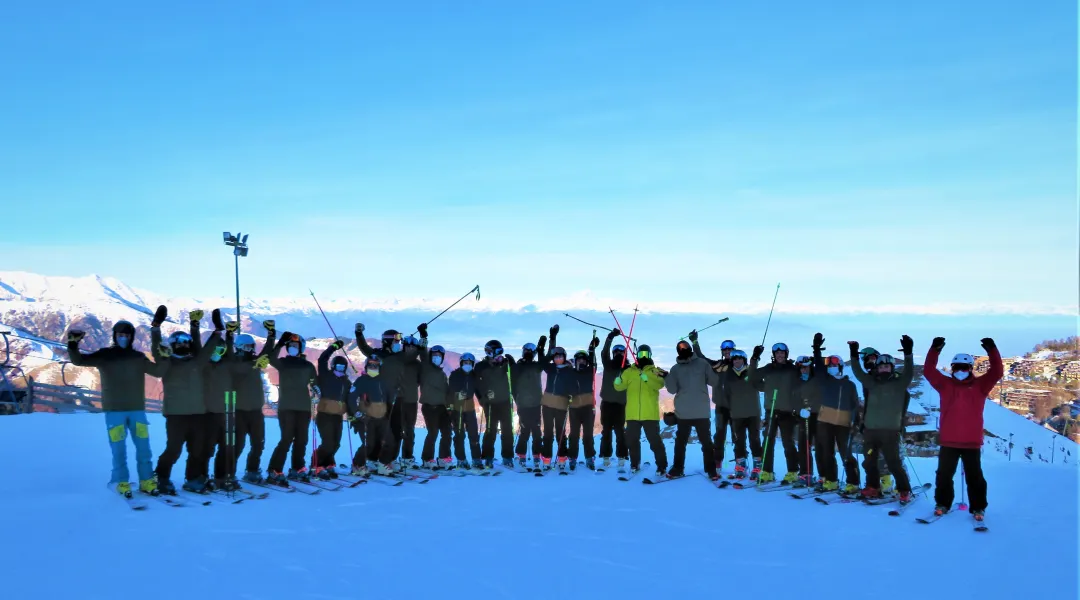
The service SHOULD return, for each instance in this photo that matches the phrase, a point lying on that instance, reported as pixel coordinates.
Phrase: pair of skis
(979, 526)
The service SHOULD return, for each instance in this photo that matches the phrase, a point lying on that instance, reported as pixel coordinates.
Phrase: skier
(368, 407)
(462, 399)
(612, 402)
(493, 391)
(403, 415)
(642, 382)
(296, 389)
(582, 407)
(247, 375)
(719, 394)
(742, 402)
(869, 363)
(528, 391)
(334, 384)
(777, 379)
(391, 371)
(962, 399)
(807, 392)
(688, 381)
(217, 383)
(122, 370)
(434, 392)
(186, 419)
(839, 400)
(560, 388)
(883, 417)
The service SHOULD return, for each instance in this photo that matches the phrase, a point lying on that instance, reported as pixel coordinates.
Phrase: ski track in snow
(589, 535)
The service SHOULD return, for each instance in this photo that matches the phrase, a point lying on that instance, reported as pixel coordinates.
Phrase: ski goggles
(530, 347)
(779, 347)
(219, 351)
(803, 361)
(727, 345)
(834, 361)
(619, 348)
(644, 354)
(961, 367)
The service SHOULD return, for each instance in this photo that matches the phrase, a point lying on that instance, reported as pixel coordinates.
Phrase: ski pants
(703, 427)
(582, 422)
(464, 423)
(785, 424)
(529, 423)
(118, 423)
(437, 421)
(380, 442)
(217, 447)
(360, 427)
(830, 439)
(652, 433)
(331, 427)
(294, 432)
(613, 421)
(719, 440)
(554, 422)
(887, 443)
(250, 424)
(807, 430)
(741, 429)
(973, 474)
(181, 430)
(403, 425)
(497, 415)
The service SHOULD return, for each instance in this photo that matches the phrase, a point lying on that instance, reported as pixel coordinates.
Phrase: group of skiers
(808, 401)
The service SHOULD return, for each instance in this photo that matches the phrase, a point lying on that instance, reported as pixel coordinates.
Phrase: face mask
(123, 341)
(339, 368)
(685, 353)
(739, 368)
(395, 347)
(804, 376)
(466, 367)
(436, 360)
(292, 350)
(581, 364)
(835, 372)
(961, 375)
(215, 357)
(527, 355)
(373, 372)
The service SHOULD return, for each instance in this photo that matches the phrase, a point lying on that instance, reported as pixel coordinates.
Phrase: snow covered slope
(513, 536)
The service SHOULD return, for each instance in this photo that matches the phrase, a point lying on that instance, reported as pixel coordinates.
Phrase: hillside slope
(480, 536)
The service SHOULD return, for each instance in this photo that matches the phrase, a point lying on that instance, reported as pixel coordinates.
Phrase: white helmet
(963, 359)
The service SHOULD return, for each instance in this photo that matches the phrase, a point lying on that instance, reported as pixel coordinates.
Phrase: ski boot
(149, 486)
(740, 468)
(790, 477)
(606, 462)
(765, 477)
(521, 462)
(332, 472)
(803, 481)
(573, 464)
(231, 484)
(851, 489)
(446, 464)
(124, 489)
(165, 486)
(463, 465)
(831, 486)
(940, 510)
(489, 464)
(887, 485)
(661, 470)
(905, 497)
(719, 466)
(321, 474)
(714, 476)
(431, 465)
(385, 470)
(253, 476)
(869, 493)
(197, 485)
(276, 478)
(979, 515)
(675, 472)
(562, 463)
(546, 462)
(508, 463)
(622, 463)
(217, 483)
(756, 472)
(590, 463)
(634, 470)
(300, 475)
(359, 471)
(477, 464)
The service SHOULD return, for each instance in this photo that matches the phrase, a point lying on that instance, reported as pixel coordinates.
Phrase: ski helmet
(581, 355)
(180, 344)
(389, 338)
(244, 345)
(411, 340)
(779, 346)
(372, 363)
(868, 352)
(739, 354)
(644, 351)
(437, 351)
(528, 350)
(727, 345)
(963, 359)
(804, 361)
(493, 348)
(297, 339)
(123, 328)
(339, 361)
(618, 349)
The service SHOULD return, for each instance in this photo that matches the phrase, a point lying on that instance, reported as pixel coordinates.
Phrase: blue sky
(860, 154)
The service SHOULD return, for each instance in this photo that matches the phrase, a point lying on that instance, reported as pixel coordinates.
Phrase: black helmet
(493, 348)
(123, 327)
(339, 360)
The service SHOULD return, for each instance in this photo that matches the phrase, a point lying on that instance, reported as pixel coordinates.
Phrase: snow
(514, 536)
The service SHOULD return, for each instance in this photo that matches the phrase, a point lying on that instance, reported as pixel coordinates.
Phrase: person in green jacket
(296, 391)
(184, 408)
(868, 356)
(884, 412)
(247, 376)
(217, 382)
(777, 381)
(642, 382)
(808, 397)
(744, 407)
(122, 370)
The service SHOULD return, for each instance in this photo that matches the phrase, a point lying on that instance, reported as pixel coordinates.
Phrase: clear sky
(915, 153)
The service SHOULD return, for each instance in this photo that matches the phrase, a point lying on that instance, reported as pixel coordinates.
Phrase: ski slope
(513, 536)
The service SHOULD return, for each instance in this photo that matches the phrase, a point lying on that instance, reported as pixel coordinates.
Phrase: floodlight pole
(240, 248)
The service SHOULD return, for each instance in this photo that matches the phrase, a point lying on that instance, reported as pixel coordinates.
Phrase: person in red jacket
(961, 432)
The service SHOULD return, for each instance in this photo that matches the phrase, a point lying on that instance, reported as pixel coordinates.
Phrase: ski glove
(269, 324)
(854, 347)
(337, 345)
(359, 328)
(614, 334)
(693, 336)
(988, 344)
(232, 326)
(554, 331)
(195, 316)
(819, 340)
(618, 379)
(543, 341)
(215, 316)
(75, 336)
(422, 329)
(594, 343)
(906, 344)
(937, 344)
(159, 316)
(164, 351)
(757, 352)
(262, 362)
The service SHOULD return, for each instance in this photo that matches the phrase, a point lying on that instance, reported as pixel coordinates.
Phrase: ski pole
(709, 327)
(768, 432)
(767, 323)
(608, 329)
(903, 449)
(626, 336)
(963, 489)
(475, 290)
(332, 332)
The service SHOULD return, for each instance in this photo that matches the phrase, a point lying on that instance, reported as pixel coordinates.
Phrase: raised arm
(605, 354)
(207, 351)
(196, 334)
(930, 370)
(324, 359)
(361, 343)
(997, 368)
(77, 357)
(856, 366)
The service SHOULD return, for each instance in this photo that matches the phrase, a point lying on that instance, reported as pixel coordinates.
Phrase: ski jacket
(494, 378)
(839, 397)
(777, 380)
(741, 398)
(612, 369)
(295, 374)
(722, 366)
(217, 376)
(642, 386)
(368, 395)
(462, 391)
(392, 369)
(526, 378)
(586, 377)
(248, 380)
(689, 382)
(561, 383)
(808, 393)
(962, 402)
(410, 378)
(123, 374)
(182, 380)
(886, 399)
(333, 388)
(434, 387)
